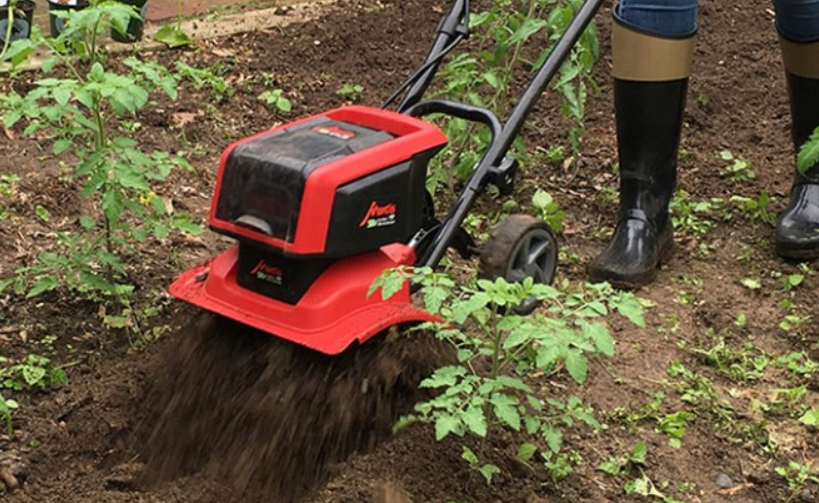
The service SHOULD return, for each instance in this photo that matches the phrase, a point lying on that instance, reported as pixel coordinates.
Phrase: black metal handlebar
(459, 110)
(503, 136)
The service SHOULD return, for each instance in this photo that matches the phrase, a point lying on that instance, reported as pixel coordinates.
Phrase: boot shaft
(650, 89)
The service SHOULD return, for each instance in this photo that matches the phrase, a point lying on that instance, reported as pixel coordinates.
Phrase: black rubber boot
(797, 231)
(649, 122)
(650, 87)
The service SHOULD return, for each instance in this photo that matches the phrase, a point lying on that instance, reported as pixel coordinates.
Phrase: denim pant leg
(798, 20)
(665, 18)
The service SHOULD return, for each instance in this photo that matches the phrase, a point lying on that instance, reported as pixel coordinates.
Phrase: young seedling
(275, 99)
(737, 169)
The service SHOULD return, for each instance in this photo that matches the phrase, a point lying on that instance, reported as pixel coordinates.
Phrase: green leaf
(475, 421)
(61, 146)
(505, 409)
(633, 310)
(601, 336)
(612, 467)
(751, 283)
(639, 453)
(33, 375)
(811, 417)
(173, 37)
(526, 452)
(577, 365)
(488, 471)
(445, 425)
(44, 284)
(809, 153)
(554, 438)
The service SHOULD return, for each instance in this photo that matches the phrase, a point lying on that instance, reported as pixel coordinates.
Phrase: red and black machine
(322, 206)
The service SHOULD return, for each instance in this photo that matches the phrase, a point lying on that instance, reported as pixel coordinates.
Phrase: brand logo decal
(268, 273)
(335, 132)
(379, 216)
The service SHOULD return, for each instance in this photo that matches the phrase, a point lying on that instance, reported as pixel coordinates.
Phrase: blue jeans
(797, 20)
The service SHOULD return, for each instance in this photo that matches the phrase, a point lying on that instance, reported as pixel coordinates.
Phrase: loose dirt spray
(271, 417)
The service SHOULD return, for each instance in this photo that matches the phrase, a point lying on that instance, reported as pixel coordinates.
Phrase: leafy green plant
(79, 110)
(797, 476)
(7, 188)
(173, 35)
(621, 464)
(755, 210)
(674, 426)
(349, 89)
(809, 153)
(207, 78)
(35, 372)
(496, 350)
(549, 210)
(275, 99)
(737, 169)
(484, 78)
(799, 364)
(7, 407)
(693, 217)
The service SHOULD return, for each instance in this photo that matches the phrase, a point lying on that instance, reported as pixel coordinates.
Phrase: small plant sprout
(7, 408)
(349, 89)
(275, 99)
(547, 209)
(619, 465)
(792, 281)
(738, 169)
(797, 476)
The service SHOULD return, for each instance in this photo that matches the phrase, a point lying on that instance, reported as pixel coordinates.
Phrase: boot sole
(636, 281)
(787, 251)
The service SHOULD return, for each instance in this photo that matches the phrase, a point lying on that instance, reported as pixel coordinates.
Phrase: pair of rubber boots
(650, 88)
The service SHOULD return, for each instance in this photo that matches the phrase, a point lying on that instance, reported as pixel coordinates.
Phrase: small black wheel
(521, 247)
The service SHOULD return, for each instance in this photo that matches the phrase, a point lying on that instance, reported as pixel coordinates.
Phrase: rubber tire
(497, 252)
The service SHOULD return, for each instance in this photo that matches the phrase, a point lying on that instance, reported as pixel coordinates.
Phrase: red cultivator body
(322, 206)
(319, 207)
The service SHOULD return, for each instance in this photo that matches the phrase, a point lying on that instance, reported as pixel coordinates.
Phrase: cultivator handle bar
(503, 135)
(459, 110)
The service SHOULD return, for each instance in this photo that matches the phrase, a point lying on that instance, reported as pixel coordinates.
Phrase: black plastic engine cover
(264, 177)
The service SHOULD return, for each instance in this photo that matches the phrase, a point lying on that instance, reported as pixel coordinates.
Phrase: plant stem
(7, 40)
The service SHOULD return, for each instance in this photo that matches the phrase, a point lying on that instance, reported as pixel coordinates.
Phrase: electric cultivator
(321, 207)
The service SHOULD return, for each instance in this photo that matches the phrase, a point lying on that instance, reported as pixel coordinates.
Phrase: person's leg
(652, 43)
(797, 231)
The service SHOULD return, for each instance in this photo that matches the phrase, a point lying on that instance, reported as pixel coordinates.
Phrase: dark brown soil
(225, 418)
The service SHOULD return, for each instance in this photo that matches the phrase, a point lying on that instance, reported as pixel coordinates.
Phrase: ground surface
(84, 441)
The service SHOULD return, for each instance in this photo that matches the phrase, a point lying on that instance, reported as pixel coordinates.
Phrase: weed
(547, 209)
(797, 476)
(35, 372)
(8, 185)
(7, 408)
(693, 217)
(799, 364)
(738, 169)
(746, 364)
(755, 210)
(275, 99)
(622, 464)
(207, 78)
(349, 89)
(674, 426)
